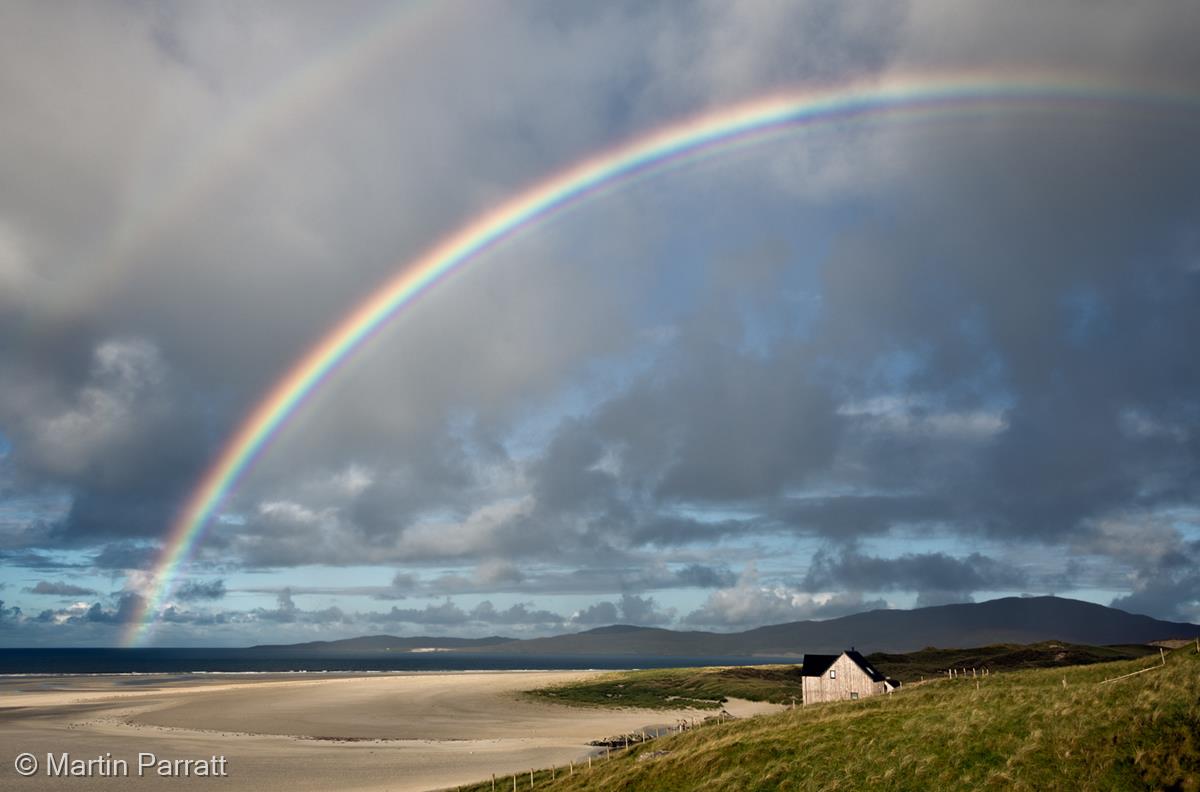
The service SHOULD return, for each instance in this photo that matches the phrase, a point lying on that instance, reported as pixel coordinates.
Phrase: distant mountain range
(388, 643)
(1011, 620)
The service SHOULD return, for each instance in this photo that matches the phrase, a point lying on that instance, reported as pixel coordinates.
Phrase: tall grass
(1025, 730)
(680, 688)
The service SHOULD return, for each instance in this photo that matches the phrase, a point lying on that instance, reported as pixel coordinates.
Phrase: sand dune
(369, 732)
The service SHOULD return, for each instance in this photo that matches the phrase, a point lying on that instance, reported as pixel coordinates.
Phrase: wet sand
(352, 732)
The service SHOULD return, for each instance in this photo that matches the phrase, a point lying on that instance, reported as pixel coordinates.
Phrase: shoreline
(407, 730)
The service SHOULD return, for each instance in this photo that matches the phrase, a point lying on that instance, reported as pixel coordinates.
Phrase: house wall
(850, 679)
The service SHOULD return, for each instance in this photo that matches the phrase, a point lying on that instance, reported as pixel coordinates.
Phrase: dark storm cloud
(668, 530)
(715, 424)
(99, 433)
(9, 614)
(124, 555)
(288, 612)
(920, 572)
(128, 477)
(644, 611)
(1075, 380)
(442, 614)
(995, 338)
(128, 609)
(702, 576)
(1171, 595)
(630, 609)
(933, 598)
(723, 424)
(449, 614)
(33, 560)
(849, 516)
(595, 579)
(522, 613)
(598, 613)
(59, 589)
(194, 590)
(497, 577)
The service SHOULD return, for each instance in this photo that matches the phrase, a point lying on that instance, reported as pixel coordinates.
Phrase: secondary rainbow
(246, 129)
(921, 94)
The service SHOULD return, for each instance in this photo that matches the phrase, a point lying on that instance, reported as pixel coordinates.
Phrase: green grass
(708, 688)
(930, 662)
(678, 688)
(1022, 730)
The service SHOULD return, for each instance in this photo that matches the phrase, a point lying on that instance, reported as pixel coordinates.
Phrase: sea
(244, 661)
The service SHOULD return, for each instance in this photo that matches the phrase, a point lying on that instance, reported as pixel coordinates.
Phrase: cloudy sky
(885, 362)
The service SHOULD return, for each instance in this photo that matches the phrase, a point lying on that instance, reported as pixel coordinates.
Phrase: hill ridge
(1005, 620)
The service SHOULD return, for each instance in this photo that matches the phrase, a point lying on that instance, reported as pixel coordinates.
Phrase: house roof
(818, 664)
(865, 666)
(815, 664)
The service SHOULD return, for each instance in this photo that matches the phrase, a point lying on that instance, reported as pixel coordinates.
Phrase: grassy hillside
(707, 688)
(928, 663)
(1024, 730)
(672, 688)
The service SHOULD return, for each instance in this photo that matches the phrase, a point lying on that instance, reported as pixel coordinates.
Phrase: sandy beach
(352, 732)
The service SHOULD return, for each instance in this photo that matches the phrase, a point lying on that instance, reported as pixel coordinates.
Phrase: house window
(853, 696)
(833, 673)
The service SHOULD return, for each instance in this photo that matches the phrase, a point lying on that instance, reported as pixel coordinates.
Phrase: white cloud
(479, 531)
(912, 415)
(354, 479)
(752, 603)
(120, 397)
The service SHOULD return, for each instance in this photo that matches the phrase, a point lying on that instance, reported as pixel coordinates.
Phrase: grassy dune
(672, 688)
(1023, 730)
(708, 688)
(929, 663)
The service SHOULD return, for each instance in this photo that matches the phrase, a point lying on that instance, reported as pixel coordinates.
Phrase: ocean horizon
(63, 661)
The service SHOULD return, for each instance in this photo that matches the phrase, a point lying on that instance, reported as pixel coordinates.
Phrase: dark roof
(865, 666)
(818, 664)
(815, 665)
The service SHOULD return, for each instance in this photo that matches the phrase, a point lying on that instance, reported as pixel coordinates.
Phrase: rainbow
(709, 131)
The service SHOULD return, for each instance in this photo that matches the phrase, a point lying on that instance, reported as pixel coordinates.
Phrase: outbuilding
(843, 677)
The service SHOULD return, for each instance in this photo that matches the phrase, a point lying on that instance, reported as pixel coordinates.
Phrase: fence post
(531, 778)
(1162, 653)
(493, 782)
